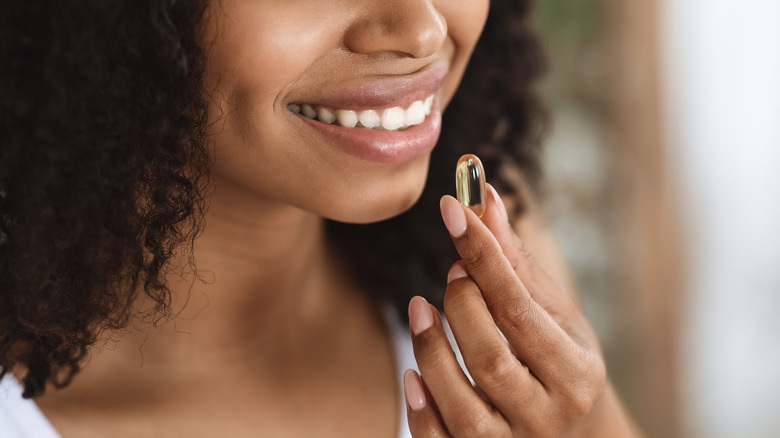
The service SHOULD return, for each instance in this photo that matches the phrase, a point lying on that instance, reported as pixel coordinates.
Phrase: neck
(266, 288)
(273, 323)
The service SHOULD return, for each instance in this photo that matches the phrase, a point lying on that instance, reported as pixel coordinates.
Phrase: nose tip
(431, 39)
(412, 27)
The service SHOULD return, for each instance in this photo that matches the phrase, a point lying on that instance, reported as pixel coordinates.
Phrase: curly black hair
(104, 168)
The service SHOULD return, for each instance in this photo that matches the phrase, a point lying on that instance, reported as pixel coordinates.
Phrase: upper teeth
(391, 119)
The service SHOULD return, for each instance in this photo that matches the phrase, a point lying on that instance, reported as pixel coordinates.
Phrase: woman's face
(272, 63)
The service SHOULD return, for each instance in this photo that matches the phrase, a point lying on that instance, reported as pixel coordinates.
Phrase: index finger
(538, 340)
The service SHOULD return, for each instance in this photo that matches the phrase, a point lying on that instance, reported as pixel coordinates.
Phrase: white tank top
(21, 418)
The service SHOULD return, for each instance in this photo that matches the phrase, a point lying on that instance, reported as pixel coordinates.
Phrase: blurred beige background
(664, 193)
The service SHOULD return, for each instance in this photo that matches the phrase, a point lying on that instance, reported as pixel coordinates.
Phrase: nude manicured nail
(420, 315)
(456, 271)
(499, 203)
(413, 389)
(453, 215)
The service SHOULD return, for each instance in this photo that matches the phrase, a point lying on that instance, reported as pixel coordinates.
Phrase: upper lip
(383, 92)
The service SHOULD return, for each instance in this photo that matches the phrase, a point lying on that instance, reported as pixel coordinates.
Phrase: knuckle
(582, 395)
(497, 369)
(423, 427)
(579, 402)
(480, 257)
(541, 426)
(433, 357)
(523, 250)
(515, 313)
(473, 424)
(458, 295)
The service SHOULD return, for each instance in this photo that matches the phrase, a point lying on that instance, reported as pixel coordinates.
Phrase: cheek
(465, 21)
(255, 49)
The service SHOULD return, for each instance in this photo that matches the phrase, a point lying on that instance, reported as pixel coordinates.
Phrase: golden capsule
(470, 183)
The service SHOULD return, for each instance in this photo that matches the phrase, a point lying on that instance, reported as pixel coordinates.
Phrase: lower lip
(380, 146)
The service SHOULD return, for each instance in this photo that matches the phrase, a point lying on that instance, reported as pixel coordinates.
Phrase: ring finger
(462, 410)
(506, 381)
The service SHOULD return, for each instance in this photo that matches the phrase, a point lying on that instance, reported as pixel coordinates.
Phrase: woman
(150, 144)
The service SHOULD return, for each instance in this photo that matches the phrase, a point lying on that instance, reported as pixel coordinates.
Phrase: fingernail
(499, 203)
(415, 394)
(456, 271)
(420, 316)
(453, 215)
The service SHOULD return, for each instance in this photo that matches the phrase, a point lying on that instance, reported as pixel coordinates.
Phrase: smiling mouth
(390, 119)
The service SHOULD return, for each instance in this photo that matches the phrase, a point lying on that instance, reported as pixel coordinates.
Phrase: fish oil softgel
(470, 184)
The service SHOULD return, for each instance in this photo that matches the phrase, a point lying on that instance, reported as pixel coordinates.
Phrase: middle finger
(463, 411)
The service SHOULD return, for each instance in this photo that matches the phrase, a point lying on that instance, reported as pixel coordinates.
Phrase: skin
(275, 340)
(544, 378)
(259, 143)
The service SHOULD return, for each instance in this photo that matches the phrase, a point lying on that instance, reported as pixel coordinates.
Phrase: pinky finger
(424, 419)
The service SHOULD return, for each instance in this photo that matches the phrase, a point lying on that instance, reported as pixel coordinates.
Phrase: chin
(377, 205)
(377, 195)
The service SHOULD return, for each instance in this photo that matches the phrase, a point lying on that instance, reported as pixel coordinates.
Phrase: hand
(539, 379)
